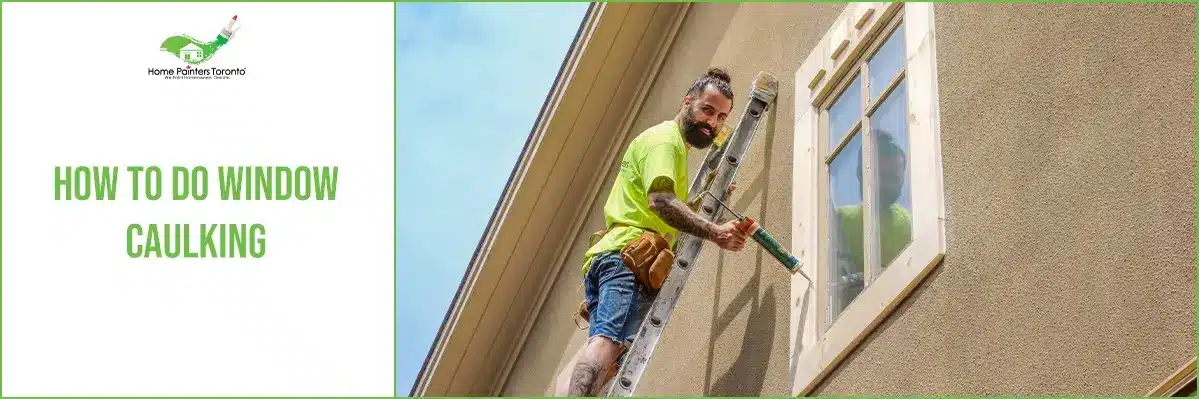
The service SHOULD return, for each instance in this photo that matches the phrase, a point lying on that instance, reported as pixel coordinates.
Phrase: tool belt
(649, 258)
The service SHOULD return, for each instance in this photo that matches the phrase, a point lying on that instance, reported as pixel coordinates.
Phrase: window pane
(889, 127)
(845, 219)
(846, 110)
(886, 63)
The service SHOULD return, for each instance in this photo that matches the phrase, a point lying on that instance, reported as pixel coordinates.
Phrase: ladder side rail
(700, 181)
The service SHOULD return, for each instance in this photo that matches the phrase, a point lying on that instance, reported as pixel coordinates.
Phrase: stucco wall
(1068, 146)
(729, 333)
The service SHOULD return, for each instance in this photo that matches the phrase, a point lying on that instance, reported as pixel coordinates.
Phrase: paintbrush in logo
(195, 52)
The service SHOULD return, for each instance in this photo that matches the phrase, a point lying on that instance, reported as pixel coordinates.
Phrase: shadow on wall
(797, 344)
(747, 374)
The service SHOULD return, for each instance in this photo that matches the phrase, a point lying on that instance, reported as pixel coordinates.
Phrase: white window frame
(818, 347)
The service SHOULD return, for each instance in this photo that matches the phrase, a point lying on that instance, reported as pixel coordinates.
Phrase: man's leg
(562, 383)
(615, 297)
(637, 312)
(594, 367)
(591, 296)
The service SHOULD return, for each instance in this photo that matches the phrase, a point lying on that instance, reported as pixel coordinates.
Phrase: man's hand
(729, 237)
(676, 214)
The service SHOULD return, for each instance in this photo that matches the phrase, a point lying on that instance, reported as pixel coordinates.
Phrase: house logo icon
(192, 53)
(195, 52)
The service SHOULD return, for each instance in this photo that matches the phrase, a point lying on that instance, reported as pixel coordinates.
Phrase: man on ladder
(644, 211)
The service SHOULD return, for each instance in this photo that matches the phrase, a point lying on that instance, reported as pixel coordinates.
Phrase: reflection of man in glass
(894, 222)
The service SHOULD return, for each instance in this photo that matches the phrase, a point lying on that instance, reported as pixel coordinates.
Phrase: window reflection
(886, 63)
(844, 112)
(845, 202)
(894, 211)
(893, 201)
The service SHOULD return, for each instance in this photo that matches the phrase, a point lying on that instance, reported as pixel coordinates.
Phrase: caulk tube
(751, 228)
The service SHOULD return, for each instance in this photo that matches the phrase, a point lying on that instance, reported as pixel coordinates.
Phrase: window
(869, 220)
(868, 205)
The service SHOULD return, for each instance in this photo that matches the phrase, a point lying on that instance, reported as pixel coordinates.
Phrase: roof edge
(577, 49)
(1176, 381)
(593, 190)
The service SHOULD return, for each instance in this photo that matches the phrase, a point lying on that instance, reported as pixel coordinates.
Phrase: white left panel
(314, 316)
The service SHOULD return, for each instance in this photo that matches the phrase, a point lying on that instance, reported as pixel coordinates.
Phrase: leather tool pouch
(649, 258)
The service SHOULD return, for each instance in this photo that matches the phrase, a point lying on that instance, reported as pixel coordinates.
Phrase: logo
(194, 52)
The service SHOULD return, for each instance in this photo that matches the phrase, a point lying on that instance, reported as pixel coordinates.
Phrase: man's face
(704, 117)
(891, 173)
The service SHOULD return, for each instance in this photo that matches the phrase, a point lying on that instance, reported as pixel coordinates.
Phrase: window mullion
(887, 92)
(869, 183)
(853, 130)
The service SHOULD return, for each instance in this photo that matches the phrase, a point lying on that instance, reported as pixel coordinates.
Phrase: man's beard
(692, 130)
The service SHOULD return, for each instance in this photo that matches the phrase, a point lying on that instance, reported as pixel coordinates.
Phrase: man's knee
(593, 368)
(596, 366)
(604, 348)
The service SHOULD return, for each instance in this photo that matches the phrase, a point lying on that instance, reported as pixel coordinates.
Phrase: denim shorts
(615, 300)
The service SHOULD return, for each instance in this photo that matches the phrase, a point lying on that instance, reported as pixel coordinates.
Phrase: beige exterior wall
(729, 333)
(1068, 141)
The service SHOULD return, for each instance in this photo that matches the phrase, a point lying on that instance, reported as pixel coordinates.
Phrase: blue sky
(471, 79)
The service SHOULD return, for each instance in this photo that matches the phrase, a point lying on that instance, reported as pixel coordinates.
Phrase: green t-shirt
(657, 152)
(895, 232)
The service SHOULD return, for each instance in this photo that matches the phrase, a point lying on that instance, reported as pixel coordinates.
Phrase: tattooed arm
(676, 213)
(658, 167)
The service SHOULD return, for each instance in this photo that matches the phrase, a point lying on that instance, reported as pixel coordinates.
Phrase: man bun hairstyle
(717, 78)
(719, 74)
